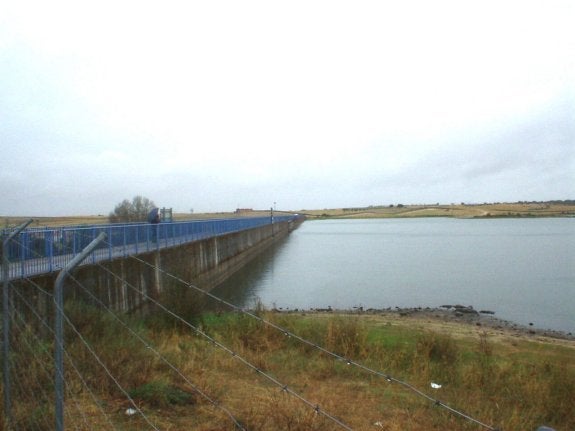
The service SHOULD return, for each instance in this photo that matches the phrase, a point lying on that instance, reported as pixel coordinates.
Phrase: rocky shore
(463, 314)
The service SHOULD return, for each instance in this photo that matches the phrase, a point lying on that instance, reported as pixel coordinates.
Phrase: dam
(202, 252)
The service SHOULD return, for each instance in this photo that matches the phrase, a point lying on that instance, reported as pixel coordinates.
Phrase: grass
(509, 382)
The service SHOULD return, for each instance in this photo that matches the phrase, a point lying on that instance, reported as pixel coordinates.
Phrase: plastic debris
(435, 385)
(378, 424)
(131, 412)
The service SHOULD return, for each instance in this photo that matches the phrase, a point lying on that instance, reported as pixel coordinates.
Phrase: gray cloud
(212, 123)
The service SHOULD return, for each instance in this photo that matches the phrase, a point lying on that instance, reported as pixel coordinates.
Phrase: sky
(214, 105)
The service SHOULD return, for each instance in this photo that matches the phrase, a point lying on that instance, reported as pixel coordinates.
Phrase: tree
(137, 210)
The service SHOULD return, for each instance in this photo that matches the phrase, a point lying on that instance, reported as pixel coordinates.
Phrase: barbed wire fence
(35, 337)
(45, 421)
(349, 361)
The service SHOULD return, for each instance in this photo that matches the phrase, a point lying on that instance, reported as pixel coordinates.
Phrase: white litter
(435, 385)
(379, 424)
(131, 412)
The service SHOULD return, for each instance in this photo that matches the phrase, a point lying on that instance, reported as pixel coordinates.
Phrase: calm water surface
(523, 269)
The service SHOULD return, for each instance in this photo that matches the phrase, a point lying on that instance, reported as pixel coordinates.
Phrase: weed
(161, 394)
(273, 411)
(484, 347)
(346, 336)
(39, 417)
(116, 346)
(438, 348)
(181, 301)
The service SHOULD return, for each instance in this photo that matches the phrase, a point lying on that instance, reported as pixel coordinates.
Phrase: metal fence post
(59, 328)
(6, 323)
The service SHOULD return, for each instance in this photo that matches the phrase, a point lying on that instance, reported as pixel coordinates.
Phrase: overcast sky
(214, 105)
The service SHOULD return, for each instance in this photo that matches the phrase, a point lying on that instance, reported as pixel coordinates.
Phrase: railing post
(137, 238)
(148, 237)
(59, 328)
(23, 247)
(49, 241)
(93, 238)
(6, 324)
(110, 245)
(157, 228)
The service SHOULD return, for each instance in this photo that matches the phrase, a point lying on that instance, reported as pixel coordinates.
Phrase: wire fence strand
(270, 378)
(70, 361)
(244, 361)
(349, 361)
(106, 370)
(162, 357)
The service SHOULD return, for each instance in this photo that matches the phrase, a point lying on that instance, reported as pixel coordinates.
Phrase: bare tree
(137, 210)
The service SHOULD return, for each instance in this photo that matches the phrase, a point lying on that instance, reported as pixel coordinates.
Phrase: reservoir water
(522, 269)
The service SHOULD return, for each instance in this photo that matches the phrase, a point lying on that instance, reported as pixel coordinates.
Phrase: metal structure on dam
(204, 252)
(43, 250)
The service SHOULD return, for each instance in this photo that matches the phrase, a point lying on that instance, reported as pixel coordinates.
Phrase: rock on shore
(464, 314)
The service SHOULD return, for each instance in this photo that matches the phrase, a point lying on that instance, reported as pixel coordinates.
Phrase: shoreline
(450, 315)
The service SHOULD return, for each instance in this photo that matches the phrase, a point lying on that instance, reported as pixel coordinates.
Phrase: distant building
(243, 210)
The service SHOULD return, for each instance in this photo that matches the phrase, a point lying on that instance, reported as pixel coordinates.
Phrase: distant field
(541, 209)
(101, 219)
(54, 221)
(460, 211)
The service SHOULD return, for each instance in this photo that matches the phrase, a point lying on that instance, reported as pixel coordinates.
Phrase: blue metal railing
(41, 250)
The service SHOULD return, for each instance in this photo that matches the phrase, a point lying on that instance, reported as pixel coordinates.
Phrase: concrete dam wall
(123, 284)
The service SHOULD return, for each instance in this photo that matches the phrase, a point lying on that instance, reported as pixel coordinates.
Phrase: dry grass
(513, 383)
(454, 210)
(103, 219)
(54, 221)
(406, 211)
